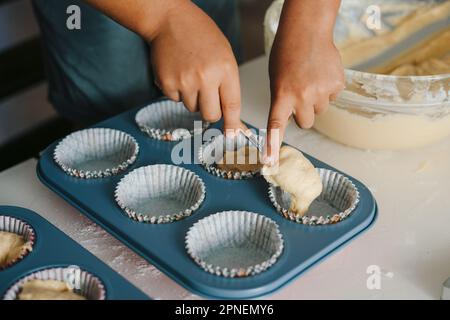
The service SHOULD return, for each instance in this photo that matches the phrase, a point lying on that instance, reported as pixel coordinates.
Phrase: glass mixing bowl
(389, 112)
(378, 111)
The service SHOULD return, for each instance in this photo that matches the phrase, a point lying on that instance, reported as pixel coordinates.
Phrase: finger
(190, 100)
(321, 105)
(209, 104)
(230, 101)
(337, 89)
(280, 111)
(173, 95)
(333, 97)
(169, 91)
(304, 116)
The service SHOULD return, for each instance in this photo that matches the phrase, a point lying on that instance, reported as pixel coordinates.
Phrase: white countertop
(410, 242)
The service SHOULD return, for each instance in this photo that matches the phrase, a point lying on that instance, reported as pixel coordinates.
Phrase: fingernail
(230, 133)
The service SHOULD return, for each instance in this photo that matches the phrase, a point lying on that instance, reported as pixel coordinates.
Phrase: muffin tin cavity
(248, 163)
(160, 193)
(79, 281)
(234, 243)
(169, 121)
(337, 201)
(16, 226)
(96, 153)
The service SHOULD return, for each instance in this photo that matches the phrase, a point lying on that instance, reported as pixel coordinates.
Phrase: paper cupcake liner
(160, 193)
(96, 153)
(82, 282)
(14, 225)
(339, 198)
(168, 121)
(234, 243)
(212, 152)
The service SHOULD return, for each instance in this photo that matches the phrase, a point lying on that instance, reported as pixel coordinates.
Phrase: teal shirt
(103, 68)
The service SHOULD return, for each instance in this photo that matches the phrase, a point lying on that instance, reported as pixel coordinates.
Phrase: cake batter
(12, 247)
(47, 290)
(244, 159)
(430, 56)
(395, 130)
(297, 176)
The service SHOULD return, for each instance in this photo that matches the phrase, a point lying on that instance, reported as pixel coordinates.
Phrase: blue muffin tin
(53, 248)
(163, 244)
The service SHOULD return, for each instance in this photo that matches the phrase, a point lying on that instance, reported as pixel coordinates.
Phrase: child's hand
(305, 68)
(193, 62)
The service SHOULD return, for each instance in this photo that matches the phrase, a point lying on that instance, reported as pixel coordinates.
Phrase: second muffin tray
(52, 249)
(164, 244)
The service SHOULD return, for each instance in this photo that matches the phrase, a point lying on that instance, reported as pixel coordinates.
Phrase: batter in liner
(47, 290)
(297, 176)
(244, 159)
(12, 247)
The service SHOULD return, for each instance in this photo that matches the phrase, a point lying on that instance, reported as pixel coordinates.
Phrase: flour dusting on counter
(126, 262)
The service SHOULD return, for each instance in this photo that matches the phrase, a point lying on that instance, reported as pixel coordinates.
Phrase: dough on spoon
(48, 290)
(297, 176)
(12, 247)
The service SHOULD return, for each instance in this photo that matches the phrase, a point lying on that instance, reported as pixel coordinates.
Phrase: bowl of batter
(397, 67)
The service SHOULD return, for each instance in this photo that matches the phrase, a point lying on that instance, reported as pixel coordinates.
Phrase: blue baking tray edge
(117, 287)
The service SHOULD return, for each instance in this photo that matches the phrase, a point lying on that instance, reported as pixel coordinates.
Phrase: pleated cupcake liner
(168, 121)
(156, 181)
(338, 191)
(221, 143)
(80, 281)
(96, 144)
(19, 227)
(230, 229)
